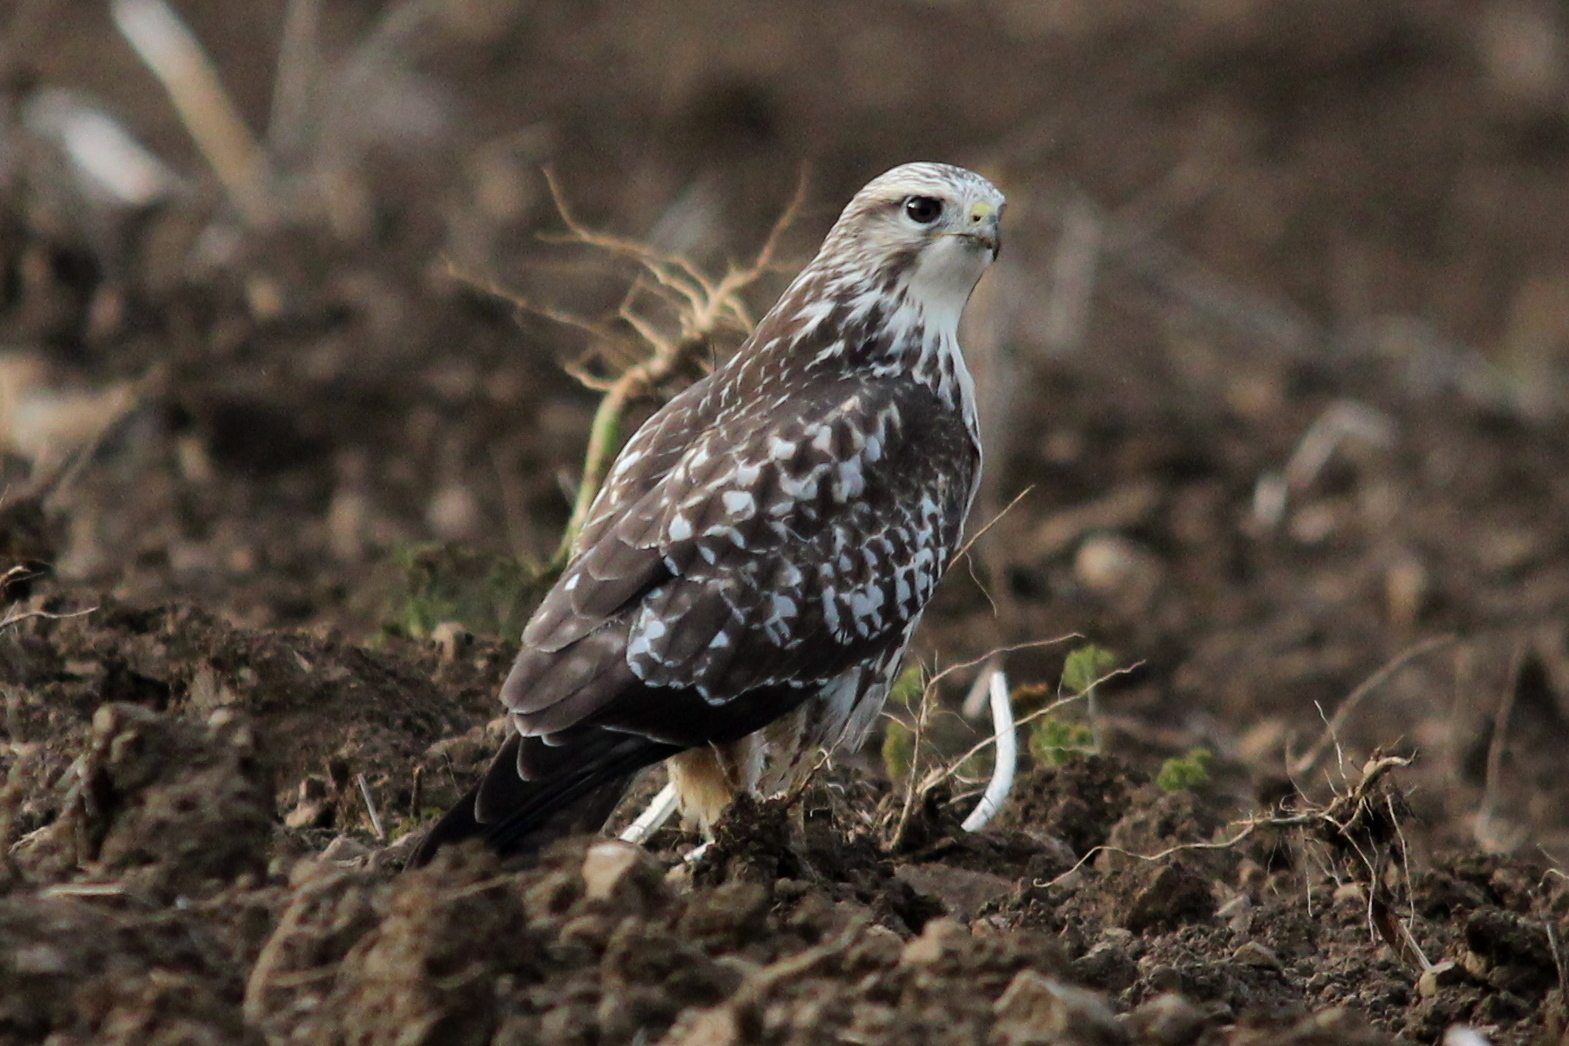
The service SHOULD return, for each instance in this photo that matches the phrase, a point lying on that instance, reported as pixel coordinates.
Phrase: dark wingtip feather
(518, 818)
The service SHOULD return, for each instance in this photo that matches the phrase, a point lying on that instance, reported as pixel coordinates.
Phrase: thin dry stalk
(1333, 727)
(907, 807)
(370, 807)
(1340, 815)
(111, 889)
(704, 307)
(296, 83)
(969, 560)
(176, 58)
(1486, 832)
(18, 616)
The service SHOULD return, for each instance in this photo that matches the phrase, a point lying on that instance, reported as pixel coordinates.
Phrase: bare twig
(1339, 815)
(969, 561)
(18, 616)
(970, 541)
(907, 807)
(704, 307)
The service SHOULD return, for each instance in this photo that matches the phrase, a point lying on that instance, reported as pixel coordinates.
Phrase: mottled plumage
(764, 545)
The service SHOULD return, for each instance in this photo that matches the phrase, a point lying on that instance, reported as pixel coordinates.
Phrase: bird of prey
(763, 547)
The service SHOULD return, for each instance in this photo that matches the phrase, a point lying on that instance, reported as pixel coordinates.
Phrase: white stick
(370, 805)
(975, 701)
(652, 819)
(1007, 756)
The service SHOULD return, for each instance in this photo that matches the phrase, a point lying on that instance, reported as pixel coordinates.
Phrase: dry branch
(705, 307)
(1339, 820)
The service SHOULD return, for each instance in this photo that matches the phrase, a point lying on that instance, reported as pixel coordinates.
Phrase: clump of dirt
(162, 806)
(78, 969)
(796, 924)
(1078, 802)
(317, 714)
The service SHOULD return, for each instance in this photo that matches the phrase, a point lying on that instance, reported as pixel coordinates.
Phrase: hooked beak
(984, 228)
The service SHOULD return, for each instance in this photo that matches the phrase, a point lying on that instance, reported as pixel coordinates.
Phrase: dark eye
(923, 210)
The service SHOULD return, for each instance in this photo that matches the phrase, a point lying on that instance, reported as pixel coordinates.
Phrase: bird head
(890, 281)
(924, 230)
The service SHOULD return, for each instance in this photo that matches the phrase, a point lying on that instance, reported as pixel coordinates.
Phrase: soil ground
(1278, 348)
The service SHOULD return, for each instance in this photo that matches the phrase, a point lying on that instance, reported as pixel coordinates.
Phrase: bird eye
(923, 210)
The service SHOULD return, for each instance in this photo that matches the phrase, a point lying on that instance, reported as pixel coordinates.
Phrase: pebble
(1036, 1009)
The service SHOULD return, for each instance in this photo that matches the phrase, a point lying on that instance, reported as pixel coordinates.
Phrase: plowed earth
(1296, 448)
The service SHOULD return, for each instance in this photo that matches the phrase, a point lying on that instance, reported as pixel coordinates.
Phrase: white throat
(945, 274)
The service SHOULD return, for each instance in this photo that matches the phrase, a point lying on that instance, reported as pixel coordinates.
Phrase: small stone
(1258, 956)
(344, 849)
(452, 639)
(1168, 1019)
(938, 936)
(1439, 976)
(1174, 895)
(1037, 1010)
(1350, 894)
(1118, 569)
(606, 865)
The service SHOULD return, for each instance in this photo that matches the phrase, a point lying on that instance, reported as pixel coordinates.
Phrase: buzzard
(760, 554)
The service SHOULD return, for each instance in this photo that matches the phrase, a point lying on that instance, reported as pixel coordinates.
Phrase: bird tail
(568, 790)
